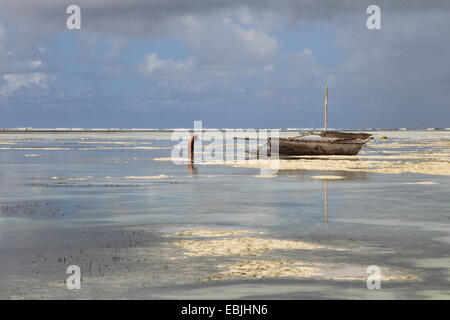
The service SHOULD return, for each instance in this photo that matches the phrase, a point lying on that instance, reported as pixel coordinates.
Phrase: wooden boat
(331, 142)
(298, 147)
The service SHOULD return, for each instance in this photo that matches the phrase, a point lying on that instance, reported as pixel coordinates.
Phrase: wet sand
(138, 262)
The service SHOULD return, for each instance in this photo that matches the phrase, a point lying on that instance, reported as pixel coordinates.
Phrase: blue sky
(160, 64)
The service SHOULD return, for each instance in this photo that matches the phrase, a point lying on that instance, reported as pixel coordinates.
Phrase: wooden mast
(326, 107)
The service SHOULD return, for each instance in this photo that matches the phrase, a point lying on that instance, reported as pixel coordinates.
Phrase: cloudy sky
(230, 63)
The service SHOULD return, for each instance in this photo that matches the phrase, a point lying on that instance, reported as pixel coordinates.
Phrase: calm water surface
(78, 199)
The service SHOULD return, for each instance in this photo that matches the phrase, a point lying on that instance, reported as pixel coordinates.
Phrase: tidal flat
(140, 226)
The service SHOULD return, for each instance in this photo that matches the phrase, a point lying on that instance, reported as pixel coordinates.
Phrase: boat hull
(314, 147)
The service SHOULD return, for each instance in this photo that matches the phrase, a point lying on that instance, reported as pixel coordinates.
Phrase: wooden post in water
(247, 148)
(191, 148)
(326, 107)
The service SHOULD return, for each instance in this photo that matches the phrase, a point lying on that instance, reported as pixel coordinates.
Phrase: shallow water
(104, 202)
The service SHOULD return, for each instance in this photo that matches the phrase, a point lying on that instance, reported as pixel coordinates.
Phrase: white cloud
(268, 67)
(14, 82)
(404, 67)
(2, 32)
(10, 62)
(153, 64)
(19, 72)
(33, 64)
(220, 40)
(116, 46)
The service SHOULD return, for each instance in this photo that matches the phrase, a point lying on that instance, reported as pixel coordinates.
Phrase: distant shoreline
(115, 130)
